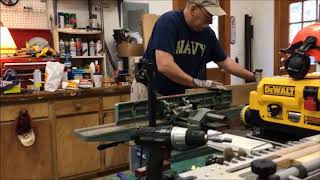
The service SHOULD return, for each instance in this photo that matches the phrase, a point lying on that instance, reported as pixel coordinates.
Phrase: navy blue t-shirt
(189, 49)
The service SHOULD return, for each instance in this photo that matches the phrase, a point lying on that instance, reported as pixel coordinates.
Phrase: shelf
(87, 57)
(77, 31)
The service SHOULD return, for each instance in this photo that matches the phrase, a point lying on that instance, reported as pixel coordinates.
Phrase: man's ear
(192, 8)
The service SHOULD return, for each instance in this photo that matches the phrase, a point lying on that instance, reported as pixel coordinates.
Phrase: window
(302, 14)
(290, 17)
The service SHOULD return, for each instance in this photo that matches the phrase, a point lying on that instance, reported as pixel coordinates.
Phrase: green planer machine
(203, 111)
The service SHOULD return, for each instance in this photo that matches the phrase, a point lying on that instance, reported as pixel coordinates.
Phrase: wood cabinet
(57, 153)
(73, 155)
(116, 156)
(20, 162)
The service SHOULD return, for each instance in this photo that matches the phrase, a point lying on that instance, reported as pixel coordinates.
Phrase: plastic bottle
(92, 68)
(73, 48)
(62, 48)
(99, 48)
(67, 47)
(97, 67)
(37, 80)
(92, 48)
(78, 46)
(84, 51)
(61, 19)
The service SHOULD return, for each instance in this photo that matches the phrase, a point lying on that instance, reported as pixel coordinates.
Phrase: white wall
(156, 6)
(262, 12)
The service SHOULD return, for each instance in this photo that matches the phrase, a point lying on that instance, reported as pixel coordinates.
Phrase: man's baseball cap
(212, 6)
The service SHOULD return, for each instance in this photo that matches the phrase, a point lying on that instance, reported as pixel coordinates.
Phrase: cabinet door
(74, 155)
(20, 162)
(116, 156)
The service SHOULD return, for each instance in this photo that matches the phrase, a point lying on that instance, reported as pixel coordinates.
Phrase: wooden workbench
(57, 153)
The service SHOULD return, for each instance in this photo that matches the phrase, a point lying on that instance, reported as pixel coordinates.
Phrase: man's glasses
(205, 13)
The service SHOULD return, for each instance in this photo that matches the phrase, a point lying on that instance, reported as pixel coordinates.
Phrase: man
(180, 44)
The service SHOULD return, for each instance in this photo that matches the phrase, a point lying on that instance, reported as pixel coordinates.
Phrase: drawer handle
(77, 106)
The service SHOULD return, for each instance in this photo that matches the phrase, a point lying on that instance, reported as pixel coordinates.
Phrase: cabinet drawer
(76, 106)
(125, 98)
(108, 102)
(11, 112)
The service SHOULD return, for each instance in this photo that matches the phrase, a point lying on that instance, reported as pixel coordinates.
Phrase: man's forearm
(235, 69)
(174, 73)
(171, 70)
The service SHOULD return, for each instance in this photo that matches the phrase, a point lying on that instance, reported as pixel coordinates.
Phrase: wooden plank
(240, 93)
(20, 162)
(76, 156)
(147, 23)
(196, 90)
(218, 75)
(115, 156)
(287, 160)
(76, 106)
(36, 110)
(295, 148)
(306, 158)
(108, 102)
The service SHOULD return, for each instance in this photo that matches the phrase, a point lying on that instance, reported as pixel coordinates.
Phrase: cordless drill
(159, 139)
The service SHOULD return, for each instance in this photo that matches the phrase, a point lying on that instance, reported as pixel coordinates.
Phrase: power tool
(174, 137)
(290, 104)
(162, 139)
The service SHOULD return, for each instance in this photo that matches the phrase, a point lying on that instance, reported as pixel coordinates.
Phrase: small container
(62, 48)
(93, 21)
(97, 67)
(73, 49)
(67, 47)
(120, 65)
(78, 46)
(37, 80)
(73, 21)
(99, 48)
(92, 49)
(84, 49)
(92, 68)
(67, 20)
(60, 19)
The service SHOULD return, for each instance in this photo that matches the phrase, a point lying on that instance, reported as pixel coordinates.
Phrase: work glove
(257, 75)
(208, 84)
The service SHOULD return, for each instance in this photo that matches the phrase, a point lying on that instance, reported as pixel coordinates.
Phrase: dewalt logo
(279, 90)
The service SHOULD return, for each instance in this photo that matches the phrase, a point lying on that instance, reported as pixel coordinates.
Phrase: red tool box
(25, 67)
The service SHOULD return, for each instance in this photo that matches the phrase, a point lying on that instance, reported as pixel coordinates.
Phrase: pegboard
(19, 17)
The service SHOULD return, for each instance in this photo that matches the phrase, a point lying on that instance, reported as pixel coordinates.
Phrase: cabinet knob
(77, 106)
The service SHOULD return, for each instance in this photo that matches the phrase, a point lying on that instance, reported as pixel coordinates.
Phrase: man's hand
(208, 84)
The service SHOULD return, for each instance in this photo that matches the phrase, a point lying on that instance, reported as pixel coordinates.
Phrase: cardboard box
(130, 49)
